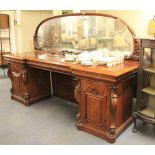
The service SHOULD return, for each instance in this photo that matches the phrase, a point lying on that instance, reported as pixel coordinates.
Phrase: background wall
(29, 22)
(137, 19)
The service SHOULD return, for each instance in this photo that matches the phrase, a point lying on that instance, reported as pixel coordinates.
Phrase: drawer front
(94, 107)
(96, 88)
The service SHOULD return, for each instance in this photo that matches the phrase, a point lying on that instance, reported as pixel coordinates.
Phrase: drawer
(96, 88)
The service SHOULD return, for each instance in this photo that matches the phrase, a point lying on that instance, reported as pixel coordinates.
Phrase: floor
(53, 121)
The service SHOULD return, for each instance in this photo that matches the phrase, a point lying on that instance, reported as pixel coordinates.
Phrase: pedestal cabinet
(27, 88)
(102, 106)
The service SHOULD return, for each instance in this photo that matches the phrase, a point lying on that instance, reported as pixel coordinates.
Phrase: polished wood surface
(103, 94)
(106, 107)
(27, 88)
(53, 62)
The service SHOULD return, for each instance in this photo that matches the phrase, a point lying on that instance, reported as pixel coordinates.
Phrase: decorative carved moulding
(77, 92)
(114, 102)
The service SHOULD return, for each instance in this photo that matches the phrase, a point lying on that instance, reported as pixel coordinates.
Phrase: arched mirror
(85, 32)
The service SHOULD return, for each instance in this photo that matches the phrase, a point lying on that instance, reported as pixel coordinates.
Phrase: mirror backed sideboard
(68, 49)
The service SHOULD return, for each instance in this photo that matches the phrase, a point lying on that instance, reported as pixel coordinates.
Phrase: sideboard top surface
(58, 61)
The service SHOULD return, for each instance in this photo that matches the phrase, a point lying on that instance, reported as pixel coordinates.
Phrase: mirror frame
(135, 53)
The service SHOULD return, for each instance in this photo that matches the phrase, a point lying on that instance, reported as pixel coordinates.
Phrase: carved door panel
(95, 109)
(95, 104)
(17, 79)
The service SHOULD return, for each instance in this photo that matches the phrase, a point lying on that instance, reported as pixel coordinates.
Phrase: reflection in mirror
(86, 34)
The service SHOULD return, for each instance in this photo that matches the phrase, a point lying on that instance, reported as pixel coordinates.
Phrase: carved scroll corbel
(77, 92)
(114, 101)
(24, 74)
(77, 95)
(9, 71)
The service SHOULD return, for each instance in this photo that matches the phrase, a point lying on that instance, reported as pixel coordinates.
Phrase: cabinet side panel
(125, 100)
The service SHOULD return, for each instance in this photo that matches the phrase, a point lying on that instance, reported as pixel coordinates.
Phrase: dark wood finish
(95, 98)
(103, 106)
(104, 95)
(63, 86)
(144, 80)
(27, 88)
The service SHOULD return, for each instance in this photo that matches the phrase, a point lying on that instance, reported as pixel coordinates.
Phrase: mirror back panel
(84, 32)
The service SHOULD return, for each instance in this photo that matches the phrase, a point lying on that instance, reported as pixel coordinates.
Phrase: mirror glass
(85, 33)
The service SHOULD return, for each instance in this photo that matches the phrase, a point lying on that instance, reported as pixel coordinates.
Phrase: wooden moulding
(104, 134)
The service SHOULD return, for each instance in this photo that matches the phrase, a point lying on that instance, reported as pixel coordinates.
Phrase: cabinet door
(17, 80)
(94, 105)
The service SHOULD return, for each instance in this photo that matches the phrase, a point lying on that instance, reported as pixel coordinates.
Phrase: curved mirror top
(85, 33)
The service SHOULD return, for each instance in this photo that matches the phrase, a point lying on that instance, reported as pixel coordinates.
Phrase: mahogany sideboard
(104, 94)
